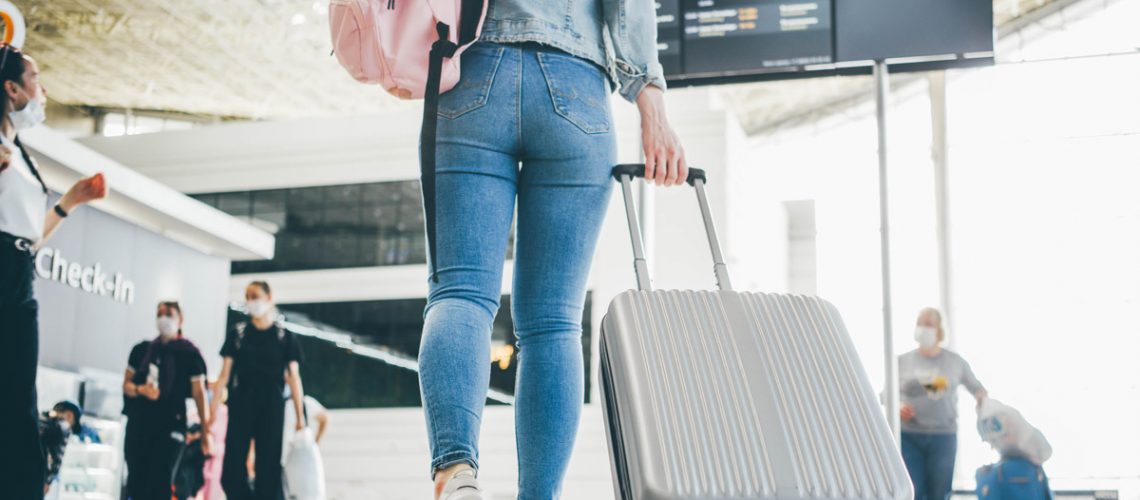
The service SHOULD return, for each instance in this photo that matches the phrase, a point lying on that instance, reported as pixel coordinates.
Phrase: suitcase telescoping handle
(624, 174)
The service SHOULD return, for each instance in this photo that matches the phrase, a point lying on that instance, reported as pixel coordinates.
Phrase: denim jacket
(618, 35)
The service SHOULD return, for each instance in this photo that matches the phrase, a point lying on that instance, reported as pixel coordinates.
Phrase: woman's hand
(906, 412)
(83, 191)
(664, 156)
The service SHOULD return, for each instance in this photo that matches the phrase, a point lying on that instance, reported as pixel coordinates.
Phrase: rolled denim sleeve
(632, 25)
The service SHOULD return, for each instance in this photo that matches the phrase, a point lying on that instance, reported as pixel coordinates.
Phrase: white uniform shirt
(23, 203)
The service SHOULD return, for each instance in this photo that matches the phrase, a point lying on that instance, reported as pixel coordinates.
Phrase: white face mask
(926, 336)
(167, 326)
(33, 114)
(258, 308)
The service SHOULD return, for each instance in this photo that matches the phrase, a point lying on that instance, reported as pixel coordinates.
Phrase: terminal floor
(383, 454)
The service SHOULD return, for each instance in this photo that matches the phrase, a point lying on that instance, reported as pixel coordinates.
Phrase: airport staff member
(25, 223)
(929, 378)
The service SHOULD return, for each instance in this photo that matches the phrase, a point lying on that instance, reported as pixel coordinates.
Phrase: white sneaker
(462, 486)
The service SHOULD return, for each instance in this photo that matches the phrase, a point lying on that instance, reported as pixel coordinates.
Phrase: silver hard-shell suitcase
(732, 395)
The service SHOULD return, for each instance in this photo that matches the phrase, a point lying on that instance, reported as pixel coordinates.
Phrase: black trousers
(150, 451)
(258, 415)
(22, 460)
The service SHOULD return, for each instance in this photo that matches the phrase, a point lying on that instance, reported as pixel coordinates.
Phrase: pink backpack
(411, 48)
(390, 42)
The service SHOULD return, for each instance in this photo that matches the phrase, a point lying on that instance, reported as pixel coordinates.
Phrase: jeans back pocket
(479, 64)
(578, 89)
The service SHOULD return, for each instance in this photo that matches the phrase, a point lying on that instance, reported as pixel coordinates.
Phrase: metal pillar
(890, 362)
(939, 150)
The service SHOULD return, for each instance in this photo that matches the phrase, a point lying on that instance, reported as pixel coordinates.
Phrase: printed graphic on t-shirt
(933, 382)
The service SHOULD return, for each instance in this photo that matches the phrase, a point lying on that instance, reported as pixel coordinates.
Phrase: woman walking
(540, 74)
(161, 375)
(929, 380)
(258, 358)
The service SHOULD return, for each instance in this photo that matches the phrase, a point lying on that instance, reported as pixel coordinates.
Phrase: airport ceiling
(255, 59)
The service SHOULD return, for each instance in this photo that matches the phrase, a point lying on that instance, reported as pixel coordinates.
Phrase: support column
(890, 362)
(939, 150)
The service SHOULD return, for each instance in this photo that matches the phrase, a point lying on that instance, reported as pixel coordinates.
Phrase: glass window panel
(275, 219)
(373, 192)
(209, 199)
(418, 254)
(234, 203)
(395, 325)
(412, 215)
(370, 250)
(305, 197)
(389, 217)
(313, 248)
(341, 217)
(371, 215)
(272, 201)
(340, 250)
(342, 195)
(410, 190)
(304, 219)
(288, 249)
(333, 226)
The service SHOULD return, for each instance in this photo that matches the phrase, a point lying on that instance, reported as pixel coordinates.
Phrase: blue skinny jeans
(531, 127)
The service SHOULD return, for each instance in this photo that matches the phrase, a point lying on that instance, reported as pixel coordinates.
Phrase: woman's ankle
(442, 476)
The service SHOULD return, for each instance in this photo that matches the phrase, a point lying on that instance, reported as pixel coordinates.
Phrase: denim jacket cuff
(633, 83)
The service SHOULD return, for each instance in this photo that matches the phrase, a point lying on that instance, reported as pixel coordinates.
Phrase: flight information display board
(710, 37)
(912, 28)
(718, 41)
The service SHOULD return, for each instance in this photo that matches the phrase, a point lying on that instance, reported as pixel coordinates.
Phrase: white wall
(82, 330)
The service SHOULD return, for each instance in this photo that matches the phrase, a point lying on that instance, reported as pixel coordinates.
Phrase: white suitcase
(734, 395)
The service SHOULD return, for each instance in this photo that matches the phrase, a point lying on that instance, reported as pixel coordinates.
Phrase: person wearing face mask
(259, 358)
(161, 374)
(25, 223)
(929, 378)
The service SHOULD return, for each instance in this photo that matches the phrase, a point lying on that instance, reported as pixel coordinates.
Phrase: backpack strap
(471, 11)
(469, 15)
(31, 163)
(239, 329)
(441, 48)
(239, 335)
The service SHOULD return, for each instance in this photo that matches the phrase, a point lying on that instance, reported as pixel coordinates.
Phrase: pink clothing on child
(212, 471)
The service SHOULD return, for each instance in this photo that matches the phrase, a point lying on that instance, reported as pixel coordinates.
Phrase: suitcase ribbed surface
(742, 395)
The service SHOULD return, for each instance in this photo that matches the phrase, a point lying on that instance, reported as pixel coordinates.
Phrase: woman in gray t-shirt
(929, 378)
